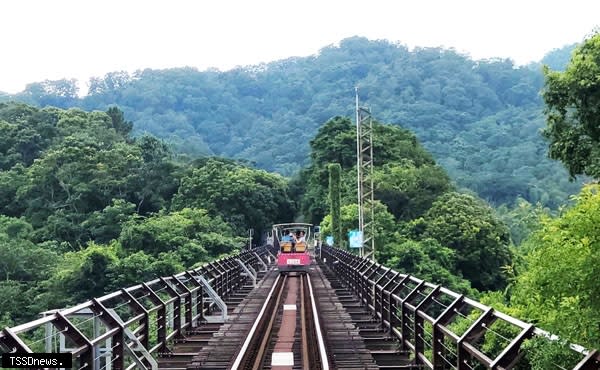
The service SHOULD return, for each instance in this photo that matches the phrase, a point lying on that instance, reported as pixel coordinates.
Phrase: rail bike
(292, 241)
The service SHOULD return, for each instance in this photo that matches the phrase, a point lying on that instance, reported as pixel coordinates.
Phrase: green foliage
(335, 200)
(408, 190)
(468, 226)
(104, 226)
(24, 133)
(421, 228)
(542, 354)
(244, 197)
(58, 93)
(78, 276)
(191, 233)
(522, 219)
(502, 157)
(268, 113)
(60, 168)
(22, 260)
(559, 289)
(335, 142)
(84, 208)
(119, 123)
(76, 179)
(133, 268)
(558, 59)
(14, 296)
(572, 111)
(157, 178)
(427, 260)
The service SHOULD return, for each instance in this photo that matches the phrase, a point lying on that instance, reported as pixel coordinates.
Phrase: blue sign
(329, 240)
(356, 238)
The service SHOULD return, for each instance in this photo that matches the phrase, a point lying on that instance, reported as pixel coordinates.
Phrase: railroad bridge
(239, 312)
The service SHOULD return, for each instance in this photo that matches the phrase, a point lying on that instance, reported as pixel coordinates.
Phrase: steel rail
(320, 341)
(305, 355)
(241, 354)
(267, 334)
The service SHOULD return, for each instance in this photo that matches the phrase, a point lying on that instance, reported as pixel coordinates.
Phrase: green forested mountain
(480, 119)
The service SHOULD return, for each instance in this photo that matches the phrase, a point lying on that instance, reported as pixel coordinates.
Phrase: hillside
(480, 119)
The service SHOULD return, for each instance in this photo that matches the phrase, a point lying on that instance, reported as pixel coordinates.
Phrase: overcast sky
(54, 39)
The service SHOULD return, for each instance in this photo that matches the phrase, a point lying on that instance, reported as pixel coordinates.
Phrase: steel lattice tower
(364, 169)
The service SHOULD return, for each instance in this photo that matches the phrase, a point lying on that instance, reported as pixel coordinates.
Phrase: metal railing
(129, 327)
(441, 328)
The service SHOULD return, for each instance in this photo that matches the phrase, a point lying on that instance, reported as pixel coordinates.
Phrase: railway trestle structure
(152, 325)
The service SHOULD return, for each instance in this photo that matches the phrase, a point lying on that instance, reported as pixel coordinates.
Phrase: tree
(119, 123)
(59, 93)
(77, 276)
(105, 225)
(268, 113)
(408, 191)
(572, 111)
(190, 233)
(243, 196)
(21, 259)
(73, 180)
(427, 260)
(335, 199)
(558, 59)
(523, 219)
(559, 289)
(468, 226)
(157, 178)
(133, 268)
(25, 132)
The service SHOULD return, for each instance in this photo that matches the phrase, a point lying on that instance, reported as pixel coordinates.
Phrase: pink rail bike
(292, 241)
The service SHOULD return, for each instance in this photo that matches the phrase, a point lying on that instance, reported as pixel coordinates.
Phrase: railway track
(299, 321)
(286, 334)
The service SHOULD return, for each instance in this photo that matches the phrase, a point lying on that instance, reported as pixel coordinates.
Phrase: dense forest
(91, 202)
(85, 208)
(479, 118)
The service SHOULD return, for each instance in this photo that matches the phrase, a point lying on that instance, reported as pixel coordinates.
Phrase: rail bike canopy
(279, 229)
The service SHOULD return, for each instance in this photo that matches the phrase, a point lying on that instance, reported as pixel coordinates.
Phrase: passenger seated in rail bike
(287, 242)
(300, 245)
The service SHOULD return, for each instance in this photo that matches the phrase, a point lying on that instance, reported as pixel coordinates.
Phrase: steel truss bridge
(386, 320)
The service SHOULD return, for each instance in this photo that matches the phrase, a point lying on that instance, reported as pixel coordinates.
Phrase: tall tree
(119, 123)
(469, 226)
(572, 102)
(559, 289)
(243, 196)
(335, 200)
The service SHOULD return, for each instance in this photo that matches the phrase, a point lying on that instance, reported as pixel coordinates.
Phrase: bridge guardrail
(123, 329)
(440, 327)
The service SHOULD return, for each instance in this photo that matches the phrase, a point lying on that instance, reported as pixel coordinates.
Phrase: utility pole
(364, 171)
